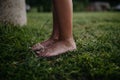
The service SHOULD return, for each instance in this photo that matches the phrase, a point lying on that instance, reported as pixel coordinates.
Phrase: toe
(44, 54)
(40, 53)
(37, 53)
(37, 47)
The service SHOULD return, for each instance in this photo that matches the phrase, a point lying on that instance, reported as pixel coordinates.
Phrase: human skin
(61, 39)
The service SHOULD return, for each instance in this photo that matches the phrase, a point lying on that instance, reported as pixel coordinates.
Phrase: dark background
(79, 5)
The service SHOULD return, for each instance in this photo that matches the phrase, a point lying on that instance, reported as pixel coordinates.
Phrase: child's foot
(57, 48)
(42, 45)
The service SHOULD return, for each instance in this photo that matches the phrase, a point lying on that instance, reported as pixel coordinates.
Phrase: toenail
(37, 52)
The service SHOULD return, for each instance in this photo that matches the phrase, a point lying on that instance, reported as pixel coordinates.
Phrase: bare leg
(64, 13)
(55, 33)
(65, 42)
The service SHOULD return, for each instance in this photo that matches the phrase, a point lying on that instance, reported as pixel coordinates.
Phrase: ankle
(69, 42)
(54, 38)
(67, 39)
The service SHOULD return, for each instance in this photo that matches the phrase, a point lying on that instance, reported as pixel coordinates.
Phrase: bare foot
(57, 48)
(42, 45)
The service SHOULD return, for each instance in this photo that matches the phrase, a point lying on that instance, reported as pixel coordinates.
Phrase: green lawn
(97, 36)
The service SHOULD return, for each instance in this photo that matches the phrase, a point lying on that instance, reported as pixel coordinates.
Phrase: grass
(97, 36)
